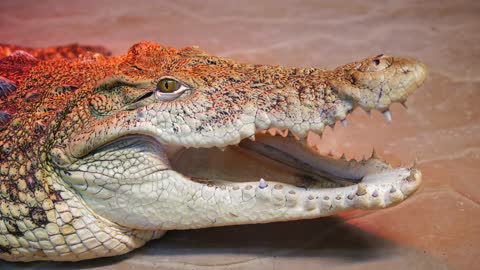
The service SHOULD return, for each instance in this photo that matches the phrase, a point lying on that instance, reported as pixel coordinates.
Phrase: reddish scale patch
(16, 66)
(71, 51)
(43, 94)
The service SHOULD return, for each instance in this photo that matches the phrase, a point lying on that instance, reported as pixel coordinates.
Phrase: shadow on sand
(329, 237)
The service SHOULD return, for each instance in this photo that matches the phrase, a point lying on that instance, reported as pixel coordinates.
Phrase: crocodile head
(100, 154)
(179, 139)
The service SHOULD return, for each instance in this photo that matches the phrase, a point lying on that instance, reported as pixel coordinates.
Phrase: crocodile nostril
(376, 59)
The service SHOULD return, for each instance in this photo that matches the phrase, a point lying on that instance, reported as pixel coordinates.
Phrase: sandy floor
(438, 228)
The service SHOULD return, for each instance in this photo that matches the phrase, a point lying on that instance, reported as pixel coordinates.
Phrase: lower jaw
(208, 187)
(278, 164)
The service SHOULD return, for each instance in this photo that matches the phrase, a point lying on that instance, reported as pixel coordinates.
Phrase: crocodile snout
(377, 82)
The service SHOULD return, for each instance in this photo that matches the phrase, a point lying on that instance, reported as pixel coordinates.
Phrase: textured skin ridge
(72, 100)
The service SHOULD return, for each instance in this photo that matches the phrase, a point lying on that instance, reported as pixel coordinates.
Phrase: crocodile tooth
(277, 194)
(310, 203)
(343, 157)
(295, 136)
(252, 138)
(262, 192)
(291, 198)
(272, 131)
(344, 122)
(388, 116)
(361, 190)
(262, 183)
(248, 192)
(284, 133)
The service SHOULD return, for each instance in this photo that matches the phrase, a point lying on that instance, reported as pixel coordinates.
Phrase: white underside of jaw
(263, 201)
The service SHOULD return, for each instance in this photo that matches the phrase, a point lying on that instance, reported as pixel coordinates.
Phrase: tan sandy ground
(438, 228)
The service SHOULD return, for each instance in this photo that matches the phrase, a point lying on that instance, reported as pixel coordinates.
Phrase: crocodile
(100, 154)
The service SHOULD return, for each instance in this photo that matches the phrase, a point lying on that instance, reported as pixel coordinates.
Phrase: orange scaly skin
(30, 203)
(59, 107)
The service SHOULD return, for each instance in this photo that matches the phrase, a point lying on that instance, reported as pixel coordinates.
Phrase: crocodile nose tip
(421, 72)
(415, 70)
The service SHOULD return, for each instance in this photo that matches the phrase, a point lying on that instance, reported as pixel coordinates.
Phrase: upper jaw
(322, 98)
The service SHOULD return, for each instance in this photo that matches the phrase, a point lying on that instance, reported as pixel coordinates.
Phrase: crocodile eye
(168, 85)
(169, 89)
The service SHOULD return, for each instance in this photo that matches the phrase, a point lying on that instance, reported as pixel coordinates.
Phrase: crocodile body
(96, 152)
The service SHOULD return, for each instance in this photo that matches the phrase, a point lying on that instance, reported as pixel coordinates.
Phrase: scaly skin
(84, 170)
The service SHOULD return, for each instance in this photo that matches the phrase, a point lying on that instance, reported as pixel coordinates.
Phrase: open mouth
(138, 182)
(277, 160)
(272, 155)
(272, 176)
